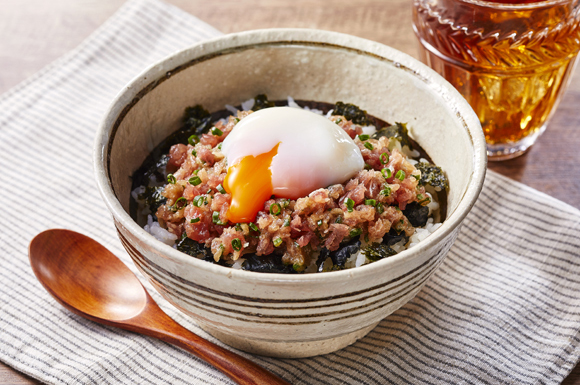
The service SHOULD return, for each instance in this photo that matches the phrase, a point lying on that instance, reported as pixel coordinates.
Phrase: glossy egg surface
(286, 152)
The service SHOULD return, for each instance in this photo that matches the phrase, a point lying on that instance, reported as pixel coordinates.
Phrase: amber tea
(510, 59)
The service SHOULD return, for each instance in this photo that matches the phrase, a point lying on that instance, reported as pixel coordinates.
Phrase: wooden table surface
(36, 32)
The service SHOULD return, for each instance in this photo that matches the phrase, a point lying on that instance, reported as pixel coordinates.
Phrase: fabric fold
(504, 307)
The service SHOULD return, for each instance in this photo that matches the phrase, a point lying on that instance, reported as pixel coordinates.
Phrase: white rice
(153, 228)
(248, 104)
(232, 109)
(238, 264)
(292, 103)
(369, 130)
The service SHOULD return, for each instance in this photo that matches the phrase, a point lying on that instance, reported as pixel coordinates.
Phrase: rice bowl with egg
(286, 189)
(287, 315)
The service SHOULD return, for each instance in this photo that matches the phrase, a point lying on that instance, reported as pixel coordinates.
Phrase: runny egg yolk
(250, 183)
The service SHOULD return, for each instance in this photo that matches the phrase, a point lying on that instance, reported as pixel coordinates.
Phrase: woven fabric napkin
(503, 308)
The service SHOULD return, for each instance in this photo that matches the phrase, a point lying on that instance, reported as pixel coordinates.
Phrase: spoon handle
(155, 323)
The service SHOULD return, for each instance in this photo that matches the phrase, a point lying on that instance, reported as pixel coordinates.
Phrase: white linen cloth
(504, 308)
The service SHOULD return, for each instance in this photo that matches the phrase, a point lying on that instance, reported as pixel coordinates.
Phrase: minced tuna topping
(380, 206)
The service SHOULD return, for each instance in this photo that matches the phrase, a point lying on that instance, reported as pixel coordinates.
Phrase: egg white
(313, 152)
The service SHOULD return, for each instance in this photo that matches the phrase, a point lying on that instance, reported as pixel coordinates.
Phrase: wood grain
(36, 32)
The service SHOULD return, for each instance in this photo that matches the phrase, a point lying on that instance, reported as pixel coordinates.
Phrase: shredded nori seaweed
(352, 113)
(266, 264)
(416, 214)
(377, 251)
(153, 198)
(196, 120)
(432, 175)
(397, 131)
(393, 236)
(344, 252)
(261, 101)
(195, 249)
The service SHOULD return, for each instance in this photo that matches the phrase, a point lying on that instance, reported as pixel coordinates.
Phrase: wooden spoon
(92, 282)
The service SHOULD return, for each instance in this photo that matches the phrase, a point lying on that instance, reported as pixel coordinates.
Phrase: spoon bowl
(112, 292)
(92, 282)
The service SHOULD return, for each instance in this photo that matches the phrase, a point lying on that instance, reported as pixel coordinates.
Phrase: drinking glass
(511, 60)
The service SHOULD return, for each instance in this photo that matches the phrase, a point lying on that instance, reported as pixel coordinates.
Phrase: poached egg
(286, 152)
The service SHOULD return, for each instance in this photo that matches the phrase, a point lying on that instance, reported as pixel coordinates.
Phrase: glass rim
(513, 6)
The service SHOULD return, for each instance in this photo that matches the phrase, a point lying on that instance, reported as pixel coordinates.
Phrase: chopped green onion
(236, 244)
(387, 173)
(355, 232)
(219, 146)
(338, 120)
(338, 219)
(384, 158)
(277, 241)
(194, 180)
(368, 166)
(236, 120)
(416, 176)
(275, 209)
(176, 206)
(171, 178)
(254, 227)
(380, 208)
(363, 137)
(193, 139)
(194, 220)
(216, 131)
(420, 197)
(319, 223)
(195, 172)
(194, 153)
(286, 222)
(221, 189)
(215, 217)
(349, 203)
(285, 203)
(370, 202)
(400, 175)
(386, 191)
(198, 200)
(369, 145)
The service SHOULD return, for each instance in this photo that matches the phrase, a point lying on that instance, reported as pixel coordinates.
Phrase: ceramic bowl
(303, 314)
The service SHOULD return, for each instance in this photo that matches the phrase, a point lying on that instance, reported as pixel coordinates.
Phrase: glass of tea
(511, 60)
